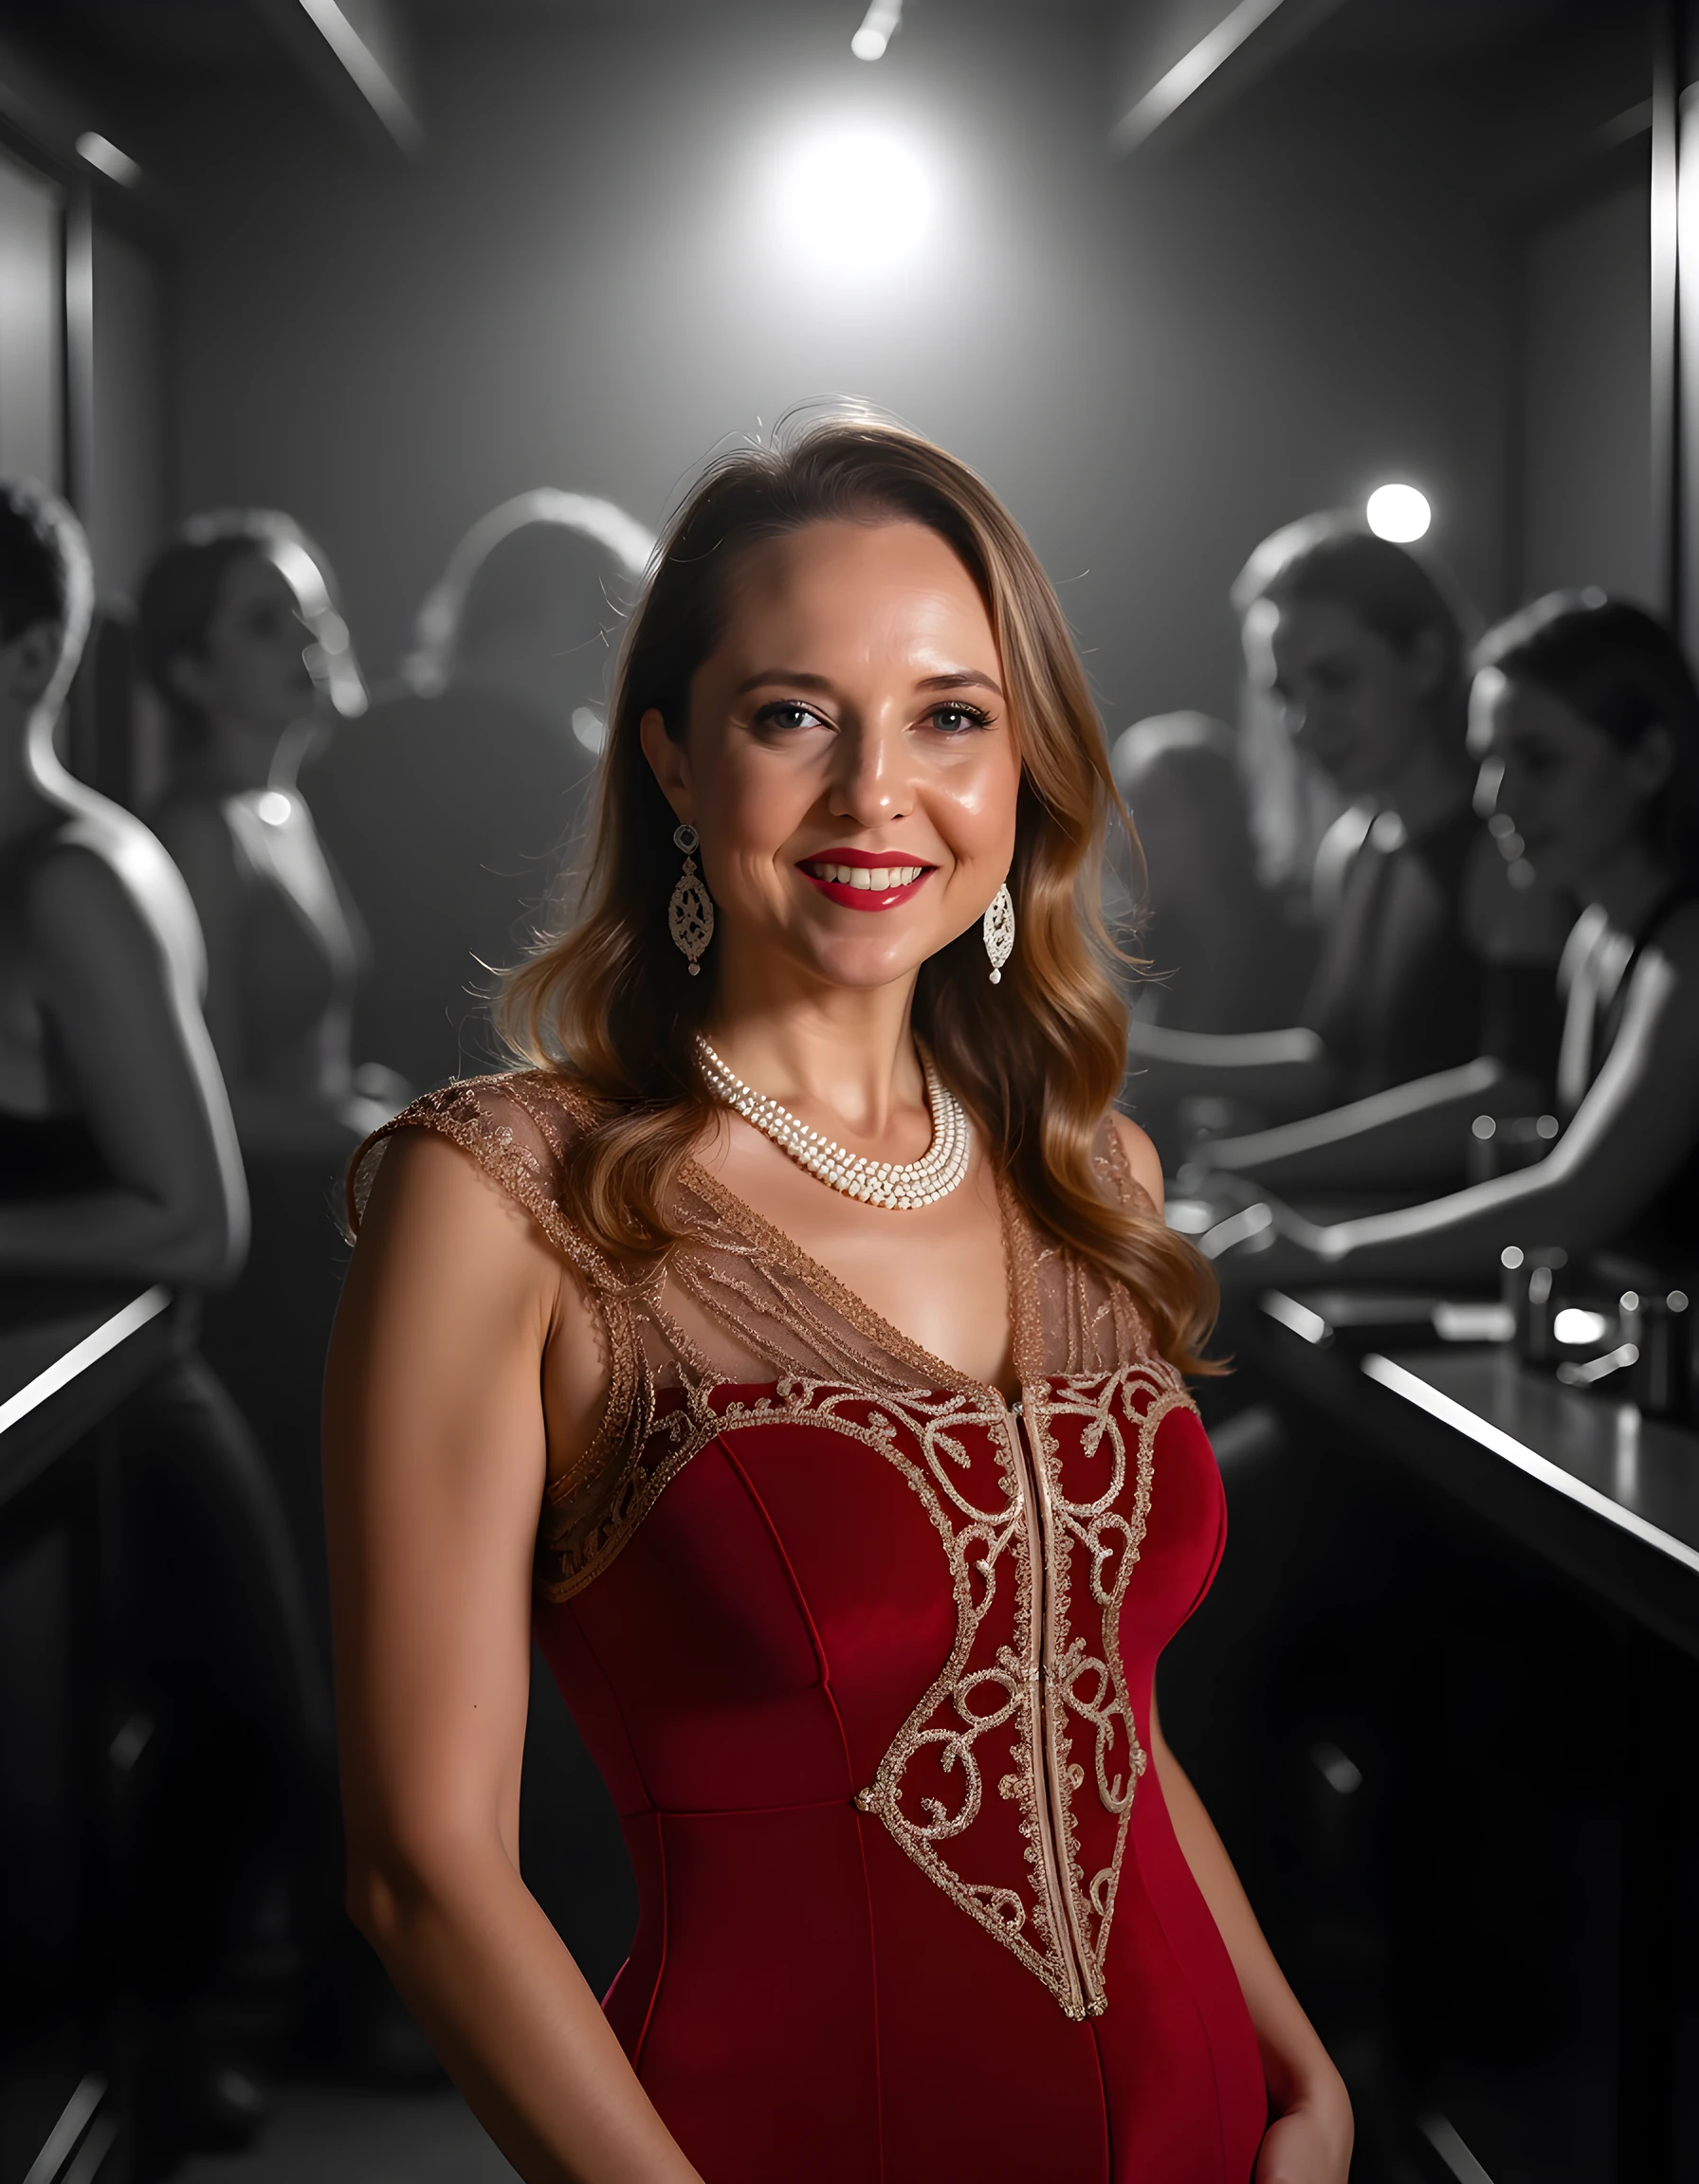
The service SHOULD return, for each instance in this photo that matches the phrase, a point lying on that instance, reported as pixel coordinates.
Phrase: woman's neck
(848, 1050)
(1427, 792)
(1629, 886)
(236, 755)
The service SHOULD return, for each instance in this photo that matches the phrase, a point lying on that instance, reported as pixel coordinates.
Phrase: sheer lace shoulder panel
(1088, 1321)
(737, 1304)
(518, 1129)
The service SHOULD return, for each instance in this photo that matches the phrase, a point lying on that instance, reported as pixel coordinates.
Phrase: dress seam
(800, 1600)
(654, 1996)
(612, 1690)
(1185, 1983)
(655, 1815)
(830, 1697)
(1103, 2093)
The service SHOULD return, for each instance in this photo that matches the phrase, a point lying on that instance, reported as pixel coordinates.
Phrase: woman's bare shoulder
(512, 1130)
(430, 1221)
(436, 1239)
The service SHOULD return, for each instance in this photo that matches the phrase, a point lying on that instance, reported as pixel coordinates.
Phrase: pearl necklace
(897, 1186)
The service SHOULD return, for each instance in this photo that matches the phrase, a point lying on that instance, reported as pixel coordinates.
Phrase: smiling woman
(817, 1359)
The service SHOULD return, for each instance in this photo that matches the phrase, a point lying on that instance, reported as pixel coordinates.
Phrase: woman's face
(1354, 705)
(1578, 800)
(254, 669)
(850, 762)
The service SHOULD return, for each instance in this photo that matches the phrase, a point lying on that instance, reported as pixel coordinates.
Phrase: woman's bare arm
(1309, 2143)
(1414, 1133)
(435, 1465)
(1627, 1139)
(130, 1045)
(1284, 1072)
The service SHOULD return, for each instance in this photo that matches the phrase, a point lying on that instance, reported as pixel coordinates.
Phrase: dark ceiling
(214, 36)
(1529, 90)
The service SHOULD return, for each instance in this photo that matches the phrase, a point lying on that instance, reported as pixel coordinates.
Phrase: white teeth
(874, 879)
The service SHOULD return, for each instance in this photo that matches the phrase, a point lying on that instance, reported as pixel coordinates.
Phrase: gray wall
(1587, 515)
(1156, 366)
(31, 322)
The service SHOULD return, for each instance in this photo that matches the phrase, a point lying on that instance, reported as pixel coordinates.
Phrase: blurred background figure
(451, 803)
(1210, 930)
(1364, 645)
(240, 638)
(1585, 718)
(119, 1159)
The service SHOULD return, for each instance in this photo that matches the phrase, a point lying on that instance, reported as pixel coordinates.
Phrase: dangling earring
(690, 913)
(998, 931)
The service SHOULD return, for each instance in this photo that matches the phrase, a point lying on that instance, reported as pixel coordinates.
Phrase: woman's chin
(866, 965)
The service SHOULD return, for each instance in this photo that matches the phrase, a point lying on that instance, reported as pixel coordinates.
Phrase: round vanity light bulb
(1398, 514)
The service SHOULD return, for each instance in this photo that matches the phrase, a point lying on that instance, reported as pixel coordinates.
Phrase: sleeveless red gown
(865, 1655)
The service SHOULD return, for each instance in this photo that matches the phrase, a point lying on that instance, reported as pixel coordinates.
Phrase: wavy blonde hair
(608, 1002)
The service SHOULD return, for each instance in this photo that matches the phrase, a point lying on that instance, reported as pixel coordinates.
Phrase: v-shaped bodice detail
(1041, 1510)
(805, 1566)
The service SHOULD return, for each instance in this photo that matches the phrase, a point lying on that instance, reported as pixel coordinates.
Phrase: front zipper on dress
(1084, 1997)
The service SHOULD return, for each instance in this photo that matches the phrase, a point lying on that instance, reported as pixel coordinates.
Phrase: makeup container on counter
(1532, 1287)
(1499, 1144)
(1658, 1323)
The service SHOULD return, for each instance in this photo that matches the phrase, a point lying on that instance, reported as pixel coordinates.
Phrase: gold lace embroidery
(1040, 1519)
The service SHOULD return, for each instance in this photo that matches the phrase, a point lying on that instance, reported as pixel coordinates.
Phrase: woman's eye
(957, 720)
(788, 714)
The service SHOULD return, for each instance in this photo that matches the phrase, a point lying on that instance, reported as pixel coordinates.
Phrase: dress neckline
(779, 1244)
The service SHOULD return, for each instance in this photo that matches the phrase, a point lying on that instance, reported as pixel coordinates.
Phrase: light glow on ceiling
(854, 199)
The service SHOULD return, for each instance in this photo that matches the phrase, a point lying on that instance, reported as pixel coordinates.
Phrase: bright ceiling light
(878, 24)
(1398, 513)
(854, 200)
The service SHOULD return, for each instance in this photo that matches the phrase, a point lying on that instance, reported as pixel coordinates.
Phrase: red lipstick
(827, 869)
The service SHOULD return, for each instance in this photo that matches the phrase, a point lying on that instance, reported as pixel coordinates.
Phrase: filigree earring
(998, 931)
(690, 913)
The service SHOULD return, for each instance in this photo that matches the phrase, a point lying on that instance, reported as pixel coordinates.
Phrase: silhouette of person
(1363, 644)
(450, 805)
(1212, 931)
(240, 637)
(1586, 720)
(118, 1158)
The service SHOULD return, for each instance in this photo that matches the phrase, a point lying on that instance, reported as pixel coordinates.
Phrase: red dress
(864, 1654)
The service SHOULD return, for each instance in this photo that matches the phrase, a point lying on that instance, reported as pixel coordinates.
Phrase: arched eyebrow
(799, 679)
(966, 679)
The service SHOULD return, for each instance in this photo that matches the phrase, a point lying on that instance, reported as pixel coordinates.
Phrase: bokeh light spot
(1398, 513)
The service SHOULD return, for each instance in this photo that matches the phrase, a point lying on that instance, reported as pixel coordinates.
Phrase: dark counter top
(1580, 1478)
(68, 1354)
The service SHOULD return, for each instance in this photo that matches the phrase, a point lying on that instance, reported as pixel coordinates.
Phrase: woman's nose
(871, 781)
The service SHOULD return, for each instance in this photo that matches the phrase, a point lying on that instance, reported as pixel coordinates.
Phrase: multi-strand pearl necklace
(902, 1187)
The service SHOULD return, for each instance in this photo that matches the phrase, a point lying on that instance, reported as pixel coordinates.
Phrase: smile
(854, 880)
